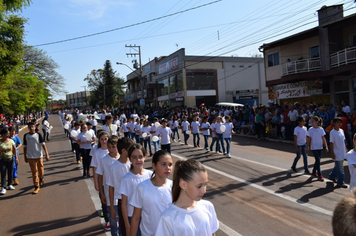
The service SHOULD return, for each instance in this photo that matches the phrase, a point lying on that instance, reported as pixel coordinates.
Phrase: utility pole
(137, 53)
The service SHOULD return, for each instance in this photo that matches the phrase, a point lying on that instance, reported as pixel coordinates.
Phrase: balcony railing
(301, 66)
(343, 57)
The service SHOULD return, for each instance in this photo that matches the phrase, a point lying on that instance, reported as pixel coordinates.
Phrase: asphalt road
(254, 192)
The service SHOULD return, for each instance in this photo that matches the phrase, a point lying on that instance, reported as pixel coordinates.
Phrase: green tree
(106, 86)
(11, 46)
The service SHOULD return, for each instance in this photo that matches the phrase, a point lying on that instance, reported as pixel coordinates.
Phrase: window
(273, 59)
(176, 83)
(163, 87)
(200, 80)
(353, 40)
(314, 52)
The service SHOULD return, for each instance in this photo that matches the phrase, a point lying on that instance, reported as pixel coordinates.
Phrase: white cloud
(96, 9)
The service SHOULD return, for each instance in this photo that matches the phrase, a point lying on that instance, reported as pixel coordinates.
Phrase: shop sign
(168, 66)
(296, 90)
(247, 94)
(176, 95)
(179, 99)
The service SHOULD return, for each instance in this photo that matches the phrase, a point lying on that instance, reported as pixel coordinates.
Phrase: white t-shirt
(228, 132)
(138, 129)
(134, 115)
(128, 186)
(351, 160)
(77, 131)
(154, 129)
(146, 129)
(45, 125)
(103, 169)
(346, 109)
(316, 136)
(293, 115)
(212, 127)
(124, 127)
(217, 128)
(165, 134)
(96, 154)
(301, 135)
(107, 129)
(153, 201)
(206, 125)
(195, 127)
(185, 125)
(338, 140)
(117, 171)
(82, 137)
(201, 220)
(132, 127)
(175, 124)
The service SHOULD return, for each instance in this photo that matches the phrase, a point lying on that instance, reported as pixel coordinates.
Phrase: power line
(128, 26)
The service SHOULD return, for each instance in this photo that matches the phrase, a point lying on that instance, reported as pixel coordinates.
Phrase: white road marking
(286, 197)
(227, 230)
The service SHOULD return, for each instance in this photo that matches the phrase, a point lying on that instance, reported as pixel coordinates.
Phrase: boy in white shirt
(185, 128)
(338, 153)
(117, 170)
(205, 126)
(103, 175)
(195, 131)
(166, 136)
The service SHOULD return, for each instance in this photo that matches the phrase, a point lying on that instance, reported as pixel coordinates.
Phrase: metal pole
(139, 54)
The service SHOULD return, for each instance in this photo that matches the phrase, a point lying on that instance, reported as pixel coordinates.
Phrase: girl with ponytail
(188, 215)
(152, 196)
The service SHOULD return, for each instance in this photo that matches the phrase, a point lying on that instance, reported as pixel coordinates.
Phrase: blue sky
(224, 28)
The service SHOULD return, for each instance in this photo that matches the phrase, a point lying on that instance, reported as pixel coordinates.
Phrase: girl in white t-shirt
(315, 141)
(188, 215)
(300, 143)
(98, 151)
(85, 147)
(205, 126)
(154, 129)
(129, 182)
(152, 196)
(124, 128)
(351, 160)
(185, 128)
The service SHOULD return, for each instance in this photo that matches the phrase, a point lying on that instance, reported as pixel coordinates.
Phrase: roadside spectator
(8, 156)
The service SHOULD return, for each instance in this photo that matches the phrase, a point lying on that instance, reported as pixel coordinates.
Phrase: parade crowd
(112, 147)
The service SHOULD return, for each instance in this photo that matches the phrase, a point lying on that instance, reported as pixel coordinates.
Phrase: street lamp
(139, 75)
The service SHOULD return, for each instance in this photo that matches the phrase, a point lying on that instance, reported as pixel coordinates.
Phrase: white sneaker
(11, 187)
(3, 191)
(228, 155)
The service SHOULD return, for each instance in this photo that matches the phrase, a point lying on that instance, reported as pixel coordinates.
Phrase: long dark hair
(184, 170)
(133, 148)
(157, 156)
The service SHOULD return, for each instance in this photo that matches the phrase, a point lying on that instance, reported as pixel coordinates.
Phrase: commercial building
(182, 80)
(78, 99)
(317, 65)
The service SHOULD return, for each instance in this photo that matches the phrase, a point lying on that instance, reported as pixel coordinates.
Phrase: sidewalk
(64, 204)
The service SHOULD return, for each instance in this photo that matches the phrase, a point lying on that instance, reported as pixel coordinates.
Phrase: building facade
(182, 80)
(78, 99)
(315, 66)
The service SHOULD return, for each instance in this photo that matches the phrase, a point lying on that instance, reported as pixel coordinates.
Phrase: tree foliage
(20, 90)
(106, 86)
(39, 64)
